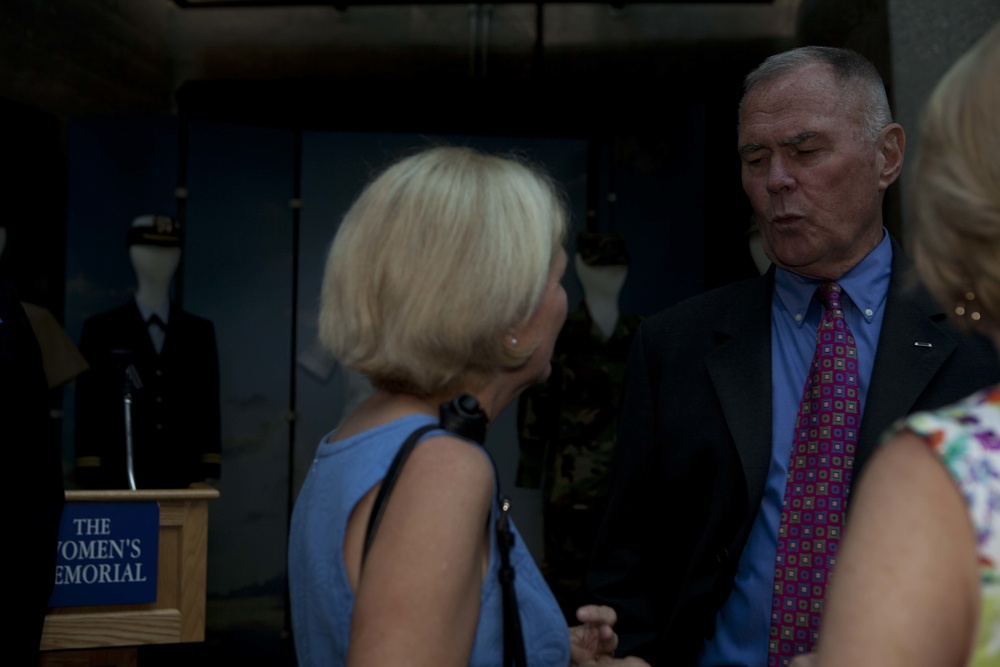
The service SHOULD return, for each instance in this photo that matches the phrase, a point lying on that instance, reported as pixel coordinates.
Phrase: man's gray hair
(853, 71)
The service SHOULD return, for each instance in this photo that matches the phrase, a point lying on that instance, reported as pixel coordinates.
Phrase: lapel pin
(921, 344)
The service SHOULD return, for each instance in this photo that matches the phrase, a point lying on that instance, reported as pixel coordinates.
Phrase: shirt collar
(163, 312)
(865, 285)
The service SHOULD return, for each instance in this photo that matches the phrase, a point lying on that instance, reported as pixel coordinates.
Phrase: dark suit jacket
(694, 447)
(175, 415)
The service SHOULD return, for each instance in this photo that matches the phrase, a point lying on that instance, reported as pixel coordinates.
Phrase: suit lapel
(740, 367)
(912, 347)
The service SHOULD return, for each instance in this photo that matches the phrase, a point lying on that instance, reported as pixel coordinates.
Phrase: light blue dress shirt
(743, 623)
(157, 335)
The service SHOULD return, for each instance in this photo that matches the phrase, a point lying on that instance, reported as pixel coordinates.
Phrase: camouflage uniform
(567, 433)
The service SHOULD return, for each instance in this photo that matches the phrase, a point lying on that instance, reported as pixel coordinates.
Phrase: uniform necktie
(157, 331)
(819, 478)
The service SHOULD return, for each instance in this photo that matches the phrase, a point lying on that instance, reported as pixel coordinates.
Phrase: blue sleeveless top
(321, 596)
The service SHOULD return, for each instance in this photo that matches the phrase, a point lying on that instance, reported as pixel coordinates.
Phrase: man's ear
(891, 147)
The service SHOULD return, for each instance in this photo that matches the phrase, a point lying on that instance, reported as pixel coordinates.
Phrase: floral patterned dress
(966, 436)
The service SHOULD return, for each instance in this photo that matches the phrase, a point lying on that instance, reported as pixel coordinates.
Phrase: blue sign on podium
(107, 554)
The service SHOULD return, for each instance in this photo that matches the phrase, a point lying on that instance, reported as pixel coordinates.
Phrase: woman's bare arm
(417, 598)
(906, 587)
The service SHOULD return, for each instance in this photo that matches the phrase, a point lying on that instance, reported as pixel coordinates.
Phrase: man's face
(815, 185)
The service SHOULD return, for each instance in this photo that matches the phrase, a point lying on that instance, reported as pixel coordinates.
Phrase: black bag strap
(463, 416)
(388, 482)
(513, 637)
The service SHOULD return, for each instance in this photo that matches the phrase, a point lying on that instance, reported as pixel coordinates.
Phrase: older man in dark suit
(695, 552)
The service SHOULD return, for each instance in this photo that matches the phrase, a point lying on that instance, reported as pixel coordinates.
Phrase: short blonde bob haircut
(439, 257)
(956, 188)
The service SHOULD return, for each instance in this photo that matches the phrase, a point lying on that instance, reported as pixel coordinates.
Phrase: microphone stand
(132, 382)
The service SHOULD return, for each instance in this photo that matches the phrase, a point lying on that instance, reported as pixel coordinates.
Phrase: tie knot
(829, 295)
(155, 320)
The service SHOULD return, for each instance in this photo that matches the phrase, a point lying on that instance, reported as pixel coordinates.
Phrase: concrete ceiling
(82, 57)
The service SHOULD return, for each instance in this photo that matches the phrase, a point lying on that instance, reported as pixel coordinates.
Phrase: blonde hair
(956, 185)
(439, 256)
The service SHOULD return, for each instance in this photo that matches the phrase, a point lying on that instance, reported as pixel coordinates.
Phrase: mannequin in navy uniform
(175, 414)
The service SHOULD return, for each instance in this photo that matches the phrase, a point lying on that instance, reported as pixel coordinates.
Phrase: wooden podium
(88, 635)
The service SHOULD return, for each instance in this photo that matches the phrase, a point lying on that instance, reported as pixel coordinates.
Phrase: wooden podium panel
(178, 615)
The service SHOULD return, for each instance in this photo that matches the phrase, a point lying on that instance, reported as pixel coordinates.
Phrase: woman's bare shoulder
(420, 588)
(452, 454)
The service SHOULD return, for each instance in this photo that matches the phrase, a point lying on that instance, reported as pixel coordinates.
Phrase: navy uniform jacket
(694, 446)
(175, 415)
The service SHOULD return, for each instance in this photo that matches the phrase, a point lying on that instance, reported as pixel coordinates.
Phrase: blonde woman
(444, 278)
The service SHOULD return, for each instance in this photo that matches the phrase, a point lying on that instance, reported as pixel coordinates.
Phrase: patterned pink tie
(819, 478)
